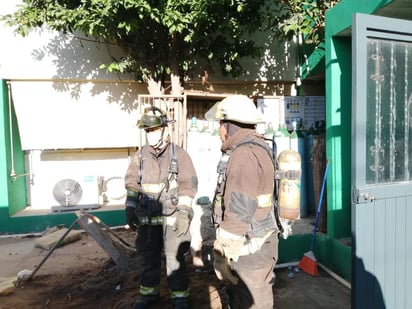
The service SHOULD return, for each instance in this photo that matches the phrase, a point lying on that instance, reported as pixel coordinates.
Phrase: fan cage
(67, 192)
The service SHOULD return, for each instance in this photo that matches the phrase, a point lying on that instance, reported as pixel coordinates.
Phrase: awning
(67, 115)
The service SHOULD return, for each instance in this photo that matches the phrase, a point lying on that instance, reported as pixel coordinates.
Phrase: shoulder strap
(172, 175)
(264, 145)
(272, 155)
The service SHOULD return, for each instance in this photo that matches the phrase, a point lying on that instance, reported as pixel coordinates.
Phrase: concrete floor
(299, 290)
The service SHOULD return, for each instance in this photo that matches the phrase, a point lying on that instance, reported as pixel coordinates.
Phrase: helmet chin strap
(227, 129)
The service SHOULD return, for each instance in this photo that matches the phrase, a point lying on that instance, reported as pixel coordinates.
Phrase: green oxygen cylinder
(269, 135)
(293, 141)
(192, 138)
(282, 137)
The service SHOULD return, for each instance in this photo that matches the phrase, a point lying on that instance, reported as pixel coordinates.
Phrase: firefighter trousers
(255, 272)
(150, 243)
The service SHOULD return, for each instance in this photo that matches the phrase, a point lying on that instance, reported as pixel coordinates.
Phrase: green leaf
(155, 34)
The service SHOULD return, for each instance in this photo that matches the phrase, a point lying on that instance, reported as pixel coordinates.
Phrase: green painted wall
(293, 248)
(338, 67)
(339, 18)
(4, 194)
(39, 223)
(316, 62)
(338, 134)
(330, 252)
(15, 186)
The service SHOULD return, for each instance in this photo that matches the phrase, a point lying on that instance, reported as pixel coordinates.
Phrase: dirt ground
(82, 275)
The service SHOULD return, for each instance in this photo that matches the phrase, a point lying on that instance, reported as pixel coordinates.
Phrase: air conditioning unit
(76, 193)
(64, 180)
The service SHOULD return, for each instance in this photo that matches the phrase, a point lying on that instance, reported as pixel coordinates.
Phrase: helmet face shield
(210, 115)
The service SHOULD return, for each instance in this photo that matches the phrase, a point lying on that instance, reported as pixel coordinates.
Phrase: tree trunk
(176, 86)
(155, 87)
(174, 67)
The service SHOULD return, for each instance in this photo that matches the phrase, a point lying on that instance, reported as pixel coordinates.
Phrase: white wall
(45, 54)
(61, 98)
(95, 115)
(51, 55)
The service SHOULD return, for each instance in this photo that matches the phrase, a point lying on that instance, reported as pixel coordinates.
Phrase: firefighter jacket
(248, 190)
(150, 175)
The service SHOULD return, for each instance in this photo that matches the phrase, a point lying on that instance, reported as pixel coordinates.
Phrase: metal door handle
(368, 197)
(361, 197)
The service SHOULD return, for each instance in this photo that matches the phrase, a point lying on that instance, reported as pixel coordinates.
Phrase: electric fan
(67, 192)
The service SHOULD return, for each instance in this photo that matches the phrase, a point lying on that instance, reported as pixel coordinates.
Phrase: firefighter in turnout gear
(161, 183)
(246, 246)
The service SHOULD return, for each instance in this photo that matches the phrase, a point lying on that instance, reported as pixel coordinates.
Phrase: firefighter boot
(181, 303)
(144, 302)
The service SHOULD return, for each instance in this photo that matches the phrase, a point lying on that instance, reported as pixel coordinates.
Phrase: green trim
(316, 62)
(328, 251)
(4, 199)
(292, 248)
(39, 223)
(334, 255)
(339, 18)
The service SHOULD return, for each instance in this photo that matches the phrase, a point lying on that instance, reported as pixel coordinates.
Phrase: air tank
(297, 143)
(289, 187)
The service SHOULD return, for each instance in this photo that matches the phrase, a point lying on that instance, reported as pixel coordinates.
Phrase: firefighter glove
(182, 223)
(231, 245)
(131, 218)
(222, 267)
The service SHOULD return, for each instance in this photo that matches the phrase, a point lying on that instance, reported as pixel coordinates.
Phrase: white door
(381, 162)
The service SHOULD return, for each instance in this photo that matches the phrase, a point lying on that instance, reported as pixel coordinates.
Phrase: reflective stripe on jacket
(248, 194)
(155, 175)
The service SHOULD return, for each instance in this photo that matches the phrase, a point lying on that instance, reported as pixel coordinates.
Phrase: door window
(389, 109)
